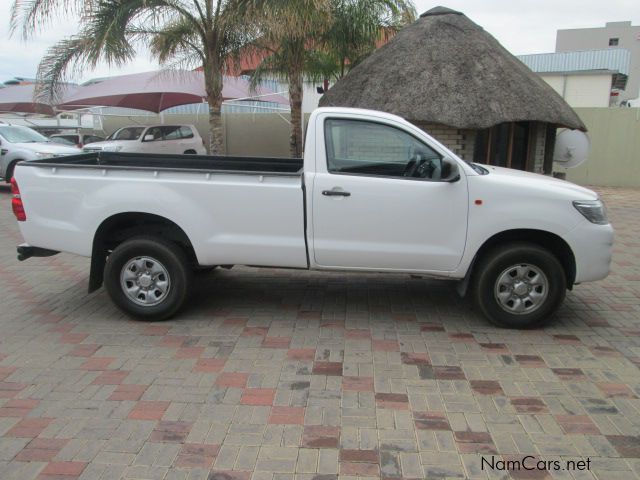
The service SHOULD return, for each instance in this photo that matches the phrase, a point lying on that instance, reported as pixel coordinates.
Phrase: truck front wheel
(148, 278)
(519, 285)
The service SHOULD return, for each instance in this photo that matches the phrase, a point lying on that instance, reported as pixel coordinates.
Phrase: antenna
(572, 148)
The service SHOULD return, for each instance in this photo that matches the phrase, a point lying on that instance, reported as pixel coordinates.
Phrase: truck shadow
(290, 293)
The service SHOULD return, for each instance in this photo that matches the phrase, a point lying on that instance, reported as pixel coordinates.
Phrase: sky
(521, 26)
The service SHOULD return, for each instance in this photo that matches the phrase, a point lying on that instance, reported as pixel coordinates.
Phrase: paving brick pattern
(283, 375)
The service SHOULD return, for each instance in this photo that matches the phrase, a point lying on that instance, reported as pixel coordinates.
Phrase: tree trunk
(213, 87)
(216, 130)
(295, 101)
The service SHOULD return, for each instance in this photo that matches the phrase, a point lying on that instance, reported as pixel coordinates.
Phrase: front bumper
(592, 247)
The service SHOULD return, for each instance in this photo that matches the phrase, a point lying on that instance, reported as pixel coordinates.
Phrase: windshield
(61, 140)
(17, 134)
(127, 133)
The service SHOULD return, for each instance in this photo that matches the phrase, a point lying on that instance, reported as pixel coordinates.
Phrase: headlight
(592, 210)
(116, 148)
(44, 154)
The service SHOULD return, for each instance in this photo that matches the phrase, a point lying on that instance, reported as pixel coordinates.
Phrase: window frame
(140, 136)
(149, 130)
(328, 148)
(87, 139)
(176, 131)
(191, 136)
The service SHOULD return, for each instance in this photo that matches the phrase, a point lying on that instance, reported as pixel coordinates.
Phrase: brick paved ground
(279, 375)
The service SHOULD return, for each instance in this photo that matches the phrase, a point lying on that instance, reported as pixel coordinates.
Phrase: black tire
(190, 152)
(497, 263)
(170, 257)
(205, 270)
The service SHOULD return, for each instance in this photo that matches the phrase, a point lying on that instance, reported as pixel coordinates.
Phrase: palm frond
(289, 18)
(62, 60)
(359, 26)
(176, 39)
(187, 61)
(31, 16)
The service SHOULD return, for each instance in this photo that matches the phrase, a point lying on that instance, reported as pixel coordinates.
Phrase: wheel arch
(11, 166)
(120, 227)
(550, 241)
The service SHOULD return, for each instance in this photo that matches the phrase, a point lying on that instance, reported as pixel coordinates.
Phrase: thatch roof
(446, 69)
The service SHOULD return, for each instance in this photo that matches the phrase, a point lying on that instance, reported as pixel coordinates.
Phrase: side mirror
(149, 138)
(450, 170)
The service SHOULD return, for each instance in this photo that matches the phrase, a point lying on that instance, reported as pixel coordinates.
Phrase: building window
(505, 145)
(613, 42)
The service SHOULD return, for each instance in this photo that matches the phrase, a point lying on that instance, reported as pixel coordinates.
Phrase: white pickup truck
(373, 194)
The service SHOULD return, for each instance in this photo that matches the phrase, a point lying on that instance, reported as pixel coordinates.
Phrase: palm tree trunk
(295, 100)
(213, 87)
(216, 130)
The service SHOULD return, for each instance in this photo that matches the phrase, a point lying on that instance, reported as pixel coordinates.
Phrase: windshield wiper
(481, 170)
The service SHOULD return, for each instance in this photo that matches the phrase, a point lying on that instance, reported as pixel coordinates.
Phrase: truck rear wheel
(148, 278)
(519, 285)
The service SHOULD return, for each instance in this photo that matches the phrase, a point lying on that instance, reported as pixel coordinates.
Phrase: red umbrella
(19, 99)
(158, 91)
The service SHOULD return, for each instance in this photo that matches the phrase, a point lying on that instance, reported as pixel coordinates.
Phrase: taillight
(16, 202)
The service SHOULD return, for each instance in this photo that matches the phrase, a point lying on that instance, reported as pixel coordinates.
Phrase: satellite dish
(572, 148)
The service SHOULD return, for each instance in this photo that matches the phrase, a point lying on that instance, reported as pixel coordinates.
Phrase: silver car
(18, 143)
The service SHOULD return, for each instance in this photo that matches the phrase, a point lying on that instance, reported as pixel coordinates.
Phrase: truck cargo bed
(253, 165)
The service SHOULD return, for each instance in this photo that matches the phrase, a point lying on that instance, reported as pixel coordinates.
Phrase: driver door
(378, 203)
(154, 145)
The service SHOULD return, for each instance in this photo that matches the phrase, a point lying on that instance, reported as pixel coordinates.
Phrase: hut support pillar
(549, 148)
(512, 129)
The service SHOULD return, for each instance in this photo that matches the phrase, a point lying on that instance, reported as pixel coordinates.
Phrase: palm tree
(357, 28)
(286, 32)
(179, 33)
(319, 39)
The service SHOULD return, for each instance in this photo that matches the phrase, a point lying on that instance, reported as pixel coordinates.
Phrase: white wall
(582, 90)
(598, 38)
(311, 97)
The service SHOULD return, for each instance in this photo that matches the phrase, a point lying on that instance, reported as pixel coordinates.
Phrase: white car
(77, 139)
(373, 193)
(18, 143)
(161, 139)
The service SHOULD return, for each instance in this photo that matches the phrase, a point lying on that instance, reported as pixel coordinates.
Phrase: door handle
(335, 193)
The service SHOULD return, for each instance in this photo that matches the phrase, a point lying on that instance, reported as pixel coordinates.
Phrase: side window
(368, 148)
(171, 133)
(156, 132)
(92, 139)
(186, 133)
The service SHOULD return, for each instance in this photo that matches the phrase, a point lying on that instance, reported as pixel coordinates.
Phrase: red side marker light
(478, 202)
(16, 202)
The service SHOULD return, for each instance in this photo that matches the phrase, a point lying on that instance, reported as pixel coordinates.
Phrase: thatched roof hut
(444, 69)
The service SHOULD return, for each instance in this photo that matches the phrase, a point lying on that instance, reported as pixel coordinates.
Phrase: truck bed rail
(198, 163)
